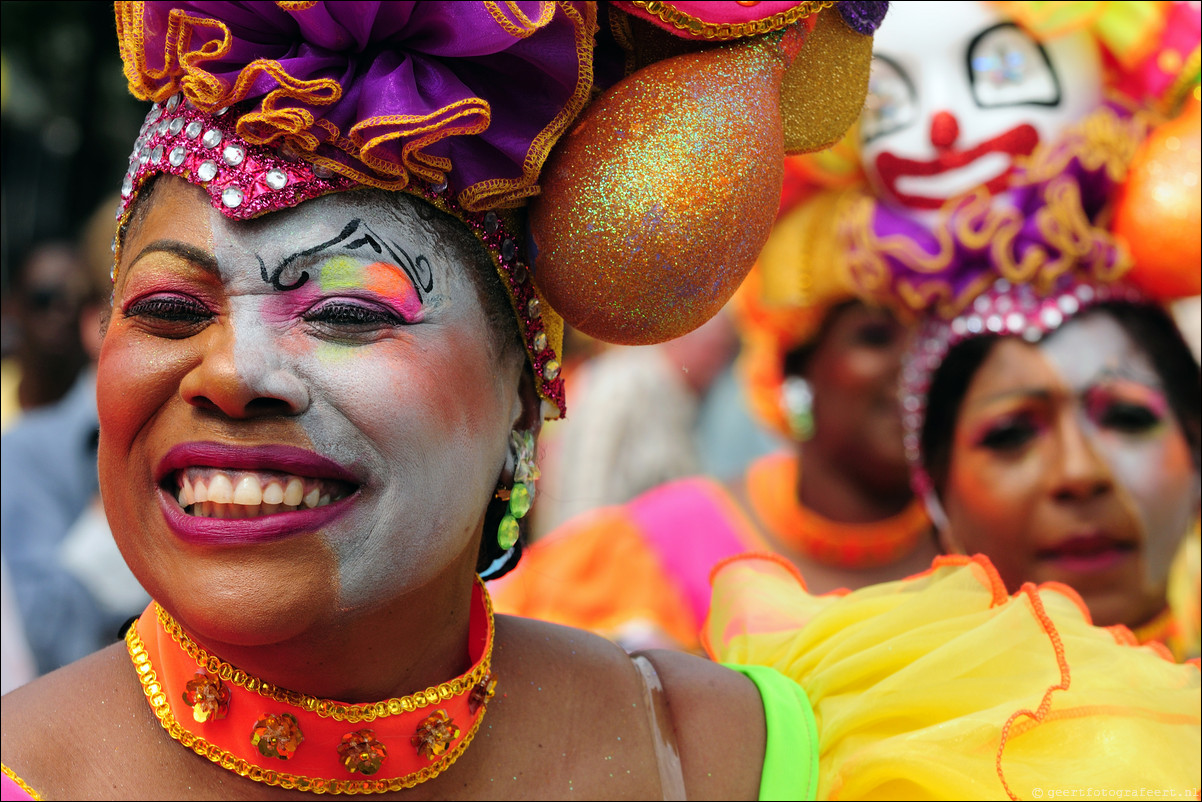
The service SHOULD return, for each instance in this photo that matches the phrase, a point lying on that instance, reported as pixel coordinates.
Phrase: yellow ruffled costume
(942, 686)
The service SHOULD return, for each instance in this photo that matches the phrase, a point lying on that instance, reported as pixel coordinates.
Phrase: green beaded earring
(521, 496)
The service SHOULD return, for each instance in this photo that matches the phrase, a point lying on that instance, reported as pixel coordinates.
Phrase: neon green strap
(791, 751)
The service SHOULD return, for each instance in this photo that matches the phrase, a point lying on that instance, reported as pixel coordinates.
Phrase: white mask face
(958, 92)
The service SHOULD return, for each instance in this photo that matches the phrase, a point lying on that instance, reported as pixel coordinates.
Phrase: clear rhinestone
(221, 111)
(156, 111)
(177, 155)
(974, 325)
(534, 307)
(321, 171)
(1051, 317)
(212, 138)
(193, 130)
(508, 250)
(127, 186)
(172, 102)
(288, 152)
(540, 342)
(994, 323)
(1068, 305)
(1032, 334)
(233, 155)
(207, 170)
(276, 178)
(1085, 293)
(176, 125)
(520, 274)
(981, 304)
(156, 155)
(440, 187)
(162, 127)
(1015, 322)
(551, 370)
(144, 156)
(1002, 285)
(491, 223)
(959, 326)
(231, 197)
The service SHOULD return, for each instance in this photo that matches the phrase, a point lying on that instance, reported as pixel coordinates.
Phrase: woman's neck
(415, 642)
(827, 488)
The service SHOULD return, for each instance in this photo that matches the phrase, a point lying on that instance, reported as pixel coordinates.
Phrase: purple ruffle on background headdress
(380, 91)
(1052, 222)
(863, 16)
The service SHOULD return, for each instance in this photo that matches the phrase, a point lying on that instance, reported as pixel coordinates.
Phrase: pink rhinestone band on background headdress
(1002, 310)
(244, 181)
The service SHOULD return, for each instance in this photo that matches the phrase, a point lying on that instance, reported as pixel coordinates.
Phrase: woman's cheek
(1158, 481)
(133, 381)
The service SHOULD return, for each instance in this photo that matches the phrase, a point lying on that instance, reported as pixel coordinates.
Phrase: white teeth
(212, 493)
(294, 492)
(273, 494)
(221, 490)
(248, 492)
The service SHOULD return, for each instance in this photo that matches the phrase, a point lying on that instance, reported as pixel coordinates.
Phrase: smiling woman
(330, 350)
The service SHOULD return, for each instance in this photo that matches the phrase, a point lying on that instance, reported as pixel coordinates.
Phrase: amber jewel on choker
(288, 739)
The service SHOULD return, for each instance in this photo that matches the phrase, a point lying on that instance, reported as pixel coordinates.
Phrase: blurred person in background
(647, 415)
(71, 587)
(49, 292)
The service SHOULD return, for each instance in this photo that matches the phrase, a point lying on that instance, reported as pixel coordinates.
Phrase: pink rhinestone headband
(1004, 310)
(244, 180)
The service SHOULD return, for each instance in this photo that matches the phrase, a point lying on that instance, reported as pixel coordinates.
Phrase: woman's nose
(945, 129)
(1081, 472)
(242, 379)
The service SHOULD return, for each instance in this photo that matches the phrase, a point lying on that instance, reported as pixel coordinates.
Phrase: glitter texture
(656, 204)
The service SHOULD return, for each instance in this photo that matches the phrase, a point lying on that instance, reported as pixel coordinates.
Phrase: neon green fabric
(791, 748)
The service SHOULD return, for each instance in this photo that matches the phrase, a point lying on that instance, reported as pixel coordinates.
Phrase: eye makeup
(1125, 406)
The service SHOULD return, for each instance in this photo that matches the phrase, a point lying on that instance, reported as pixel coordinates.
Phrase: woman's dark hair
(1148, 326)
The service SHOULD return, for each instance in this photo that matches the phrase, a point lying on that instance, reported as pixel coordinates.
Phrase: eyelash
(171, 309)
(1128, 417)
(1009, 434)
(342, 313)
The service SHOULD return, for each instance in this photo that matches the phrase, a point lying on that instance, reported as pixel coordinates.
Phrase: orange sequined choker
(284, 738)
(772, 490)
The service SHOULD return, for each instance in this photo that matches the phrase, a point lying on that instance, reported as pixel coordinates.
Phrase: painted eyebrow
(190, 253)
(1021, 392)
(417, 270)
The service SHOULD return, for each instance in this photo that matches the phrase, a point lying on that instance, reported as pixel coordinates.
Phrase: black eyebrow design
(418, 270)
(274, 278)
(201, 258)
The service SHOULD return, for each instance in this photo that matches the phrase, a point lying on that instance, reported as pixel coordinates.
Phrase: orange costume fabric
(638, 573)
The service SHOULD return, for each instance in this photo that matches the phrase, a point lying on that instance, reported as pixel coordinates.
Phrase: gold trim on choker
(245, 725)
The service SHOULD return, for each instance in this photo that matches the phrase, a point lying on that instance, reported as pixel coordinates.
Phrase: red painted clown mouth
(1018, 141)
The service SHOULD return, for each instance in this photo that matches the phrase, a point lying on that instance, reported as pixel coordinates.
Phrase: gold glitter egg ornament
(655, 205)
(1158, 214)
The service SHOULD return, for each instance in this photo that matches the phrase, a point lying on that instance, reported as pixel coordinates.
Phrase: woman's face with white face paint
(302, 415)
(1067, 465)
(958, 92)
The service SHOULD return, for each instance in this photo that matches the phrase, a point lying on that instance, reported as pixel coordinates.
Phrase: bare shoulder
(718, 716)
(61, 731)
(600, 725)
